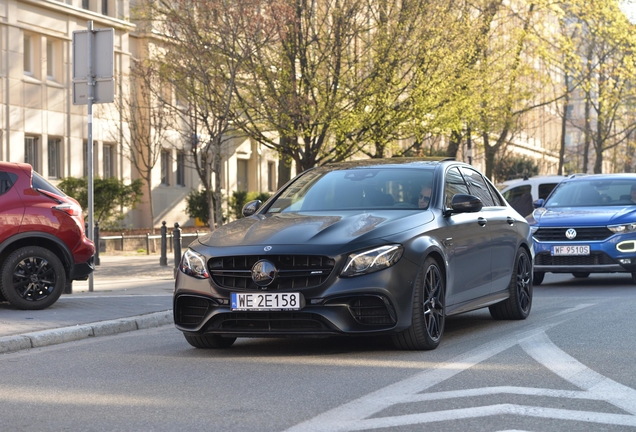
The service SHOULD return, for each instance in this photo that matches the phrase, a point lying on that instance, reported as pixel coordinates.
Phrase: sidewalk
(130, 292)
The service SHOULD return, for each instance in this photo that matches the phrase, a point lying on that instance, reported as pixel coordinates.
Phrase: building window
(28, 55)
(241, 175)
(104, 7)
(165, 168)
(54, 158)
(108, 163)
(50, 60)
(180, 169)
(31, 153)
(85, 4)
(271, 176)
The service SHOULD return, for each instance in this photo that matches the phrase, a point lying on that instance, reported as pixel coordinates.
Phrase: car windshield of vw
(587, 225)
(382, 247)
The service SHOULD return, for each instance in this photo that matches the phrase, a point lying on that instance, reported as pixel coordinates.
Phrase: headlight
(622, 228)
(193, 264)
(372, 260)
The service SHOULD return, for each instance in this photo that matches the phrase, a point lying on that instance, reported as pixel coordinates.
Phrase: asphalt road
(569, 367)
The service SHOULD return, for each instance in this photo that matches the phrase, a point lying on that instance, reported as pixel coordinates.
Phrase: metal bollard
(147, 243)
(122, 242)
(96, 240)
(177, 245)
(163, 260)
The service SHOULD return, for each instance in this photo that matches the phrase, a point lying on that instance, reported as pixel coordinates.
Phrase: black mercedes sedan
(373, 247)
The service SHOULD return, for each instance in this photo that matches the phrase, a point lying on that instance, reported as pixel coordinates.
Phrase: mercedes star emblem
(263, 273)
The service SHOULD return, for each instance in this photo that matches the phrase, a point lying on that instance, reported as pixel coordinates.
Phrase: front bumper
(605, 256)
(376, 303)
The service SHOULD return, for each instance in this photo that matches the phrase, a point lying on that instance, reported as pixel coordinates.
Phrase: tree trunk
(150, 203)
(284, 163)
(218, 199)
(489, 152)
(587, 135)
(453, 144)
(564, 121)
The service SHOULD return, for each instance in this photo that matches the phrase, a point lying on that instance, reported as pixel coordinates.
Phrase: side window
(514, 193)
(496, 196)
(477, 186)
(453, 184)
(545, 189)
(7, 180)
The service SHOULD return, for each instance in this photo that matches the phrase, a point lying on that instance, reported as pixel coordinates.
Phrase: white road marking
(358, 414)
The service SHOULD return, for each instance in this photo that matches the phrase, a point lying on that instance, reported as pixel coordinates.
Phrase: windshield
(590, 193)
(362, 188)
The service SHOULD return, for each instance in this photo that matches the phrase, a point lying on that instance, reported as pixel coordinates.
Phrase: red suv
(42, 243)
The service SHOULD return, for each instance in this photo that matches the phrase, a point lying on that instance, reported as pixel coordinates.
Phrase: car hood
(315, 228)
(583, 216)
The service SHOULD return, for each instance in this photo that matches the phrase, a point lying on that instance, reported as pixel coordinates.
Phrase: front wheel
(210, 341)
(518, 305)
(429, 310)
(32, 278)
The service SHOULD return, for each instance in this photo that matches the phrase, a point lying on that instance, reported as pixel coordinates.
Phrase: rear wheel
(210, 341)
(32, 278)
(429, 310)
(518, 305)
(537, 278)
(580, 275)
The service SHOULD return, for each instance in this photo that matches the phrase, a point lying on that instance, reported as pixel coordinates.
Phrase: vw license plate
(571, 250)
(265, 301)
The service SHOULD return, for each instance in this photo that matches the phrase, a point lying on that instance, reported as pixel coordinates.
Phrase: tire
(537, 278)
(210, 341)
(518, 305)
(580, 275)
(32, 278)
(429, 310)
(634, 278)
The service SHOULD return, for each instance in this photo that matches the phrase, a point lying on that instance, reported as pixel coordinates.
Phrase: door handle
(511, 221)
(482, 221)
(448, 242)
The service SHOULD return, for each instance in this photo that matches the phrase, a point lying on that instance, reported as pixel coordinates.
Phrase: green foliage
(240, 198)
(515, 167)
(197, 206)
(110, 196)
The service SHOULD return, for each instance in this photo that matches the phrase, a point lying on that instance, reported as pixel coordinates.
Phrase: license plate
(265, 301)
(570, 250)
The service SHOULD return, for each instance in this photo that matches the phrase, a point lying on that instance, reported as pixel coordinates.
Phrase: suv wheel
(32, 278)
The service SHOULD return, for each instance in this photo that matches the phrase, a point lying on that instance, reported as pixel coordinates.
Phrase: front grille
(582, 234)
(269, 322)
(190, 310)
(294, 271)
(595, 258)
(370, 310)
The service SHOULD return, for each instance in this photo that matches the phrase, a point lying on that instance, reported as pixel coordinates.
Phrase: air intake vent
(582, 234)
(270, 322)
(190, 310)
(595, 258)
(294, 271)
(371, 311)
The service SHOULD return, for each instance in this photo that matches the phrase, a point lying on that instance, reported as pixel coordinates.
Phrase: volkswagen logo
(263, 273)
(570, 233)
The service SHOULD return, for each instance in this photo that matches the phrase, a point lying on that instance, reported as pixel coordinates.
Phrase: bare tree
(146, 122)
(205, 44)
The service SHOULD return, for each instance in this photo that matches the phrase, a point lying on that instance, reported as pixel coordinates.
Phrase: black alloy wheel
(210, 341)
(429, 310)
(32, 278)
(518, 305)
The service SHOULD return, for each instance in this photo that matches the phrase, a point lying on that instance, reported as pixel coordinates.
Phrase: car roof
(612, 176)
(533, 179)
(412, 162)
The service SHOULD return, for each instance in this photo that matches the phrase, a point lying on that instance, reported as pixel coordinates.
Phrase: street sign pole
(91, 93)
(93, 83)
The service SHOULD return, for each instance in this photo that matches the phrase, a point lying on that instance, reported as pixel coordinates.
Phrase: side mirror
(538, 203)
(466, 203)
(250, 208)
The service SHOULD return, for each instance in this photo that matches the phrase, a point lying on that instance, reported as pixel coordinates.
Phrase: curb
(83, 331)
